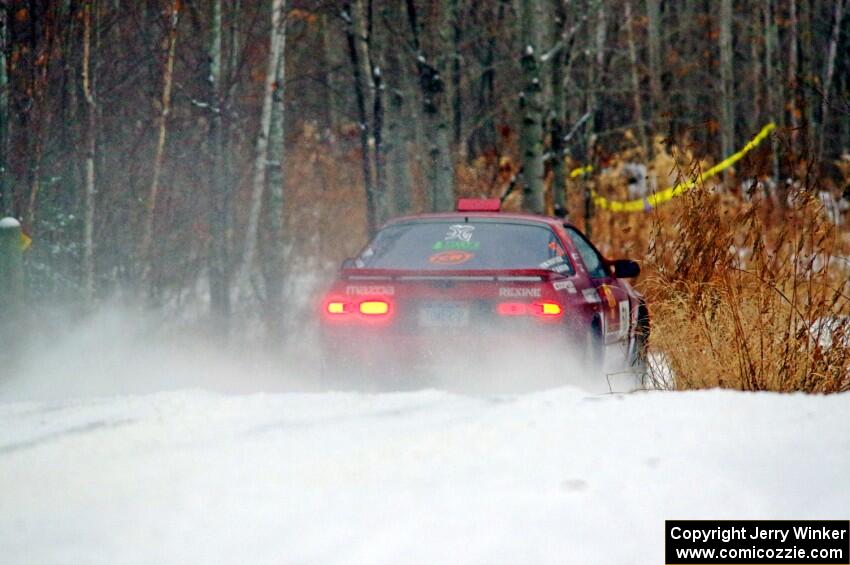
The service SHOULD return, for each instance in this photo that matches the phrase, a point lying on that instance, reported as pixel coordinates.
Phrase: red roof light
(479, 205)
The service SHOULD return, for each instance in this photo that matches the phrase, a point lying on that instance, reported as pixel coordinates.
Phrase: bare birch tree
(218, 252)
(162, 131)
(89, 9)
(367, 93)
(278, 20)
(439, 168)
(5, 193)
(531, 113)
(275, 247)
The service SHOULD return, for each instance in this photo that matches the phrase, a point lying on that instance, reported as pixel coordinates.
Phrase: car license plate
(444, 315)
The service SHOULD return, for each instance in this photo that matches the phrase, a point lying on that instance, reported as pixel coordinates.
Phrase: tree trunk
(829, 69)
(483, 137)
(6, 200)
(794, 111)
(235, 44)
(636, 95)
(808, 74)
(371, 51)
(165, 111)
(398, 174)
(531, 114)
(727, 87)
(378, 129)
(439, 169)
(757, 33)
(218, 209)
(91, 153)
(596, 70)
(329, 66)
(262, 150)
(457, 93)
(653, 12)
(556, 118)
(273, 263)
(772, 87)
(364, 90)
(400, 130)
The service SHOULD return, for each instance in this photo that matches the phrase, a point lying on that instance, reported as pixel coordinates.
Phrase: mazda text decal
(364, 290)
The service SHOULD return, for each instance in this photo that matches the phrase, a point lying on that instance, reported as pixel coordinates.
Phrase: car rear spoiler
(507, 275)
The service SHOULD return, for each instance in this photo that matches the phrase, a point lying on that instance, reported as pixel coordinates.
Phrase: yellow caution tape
(668, 194)
(26, 241)
(581, 171)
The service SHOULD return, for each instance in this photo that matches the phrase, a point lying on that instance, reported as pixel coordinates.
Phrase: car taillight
(337, 308)
(374, 307)
(539, 309)
(547, 309)
(512, 309)
(351, 310)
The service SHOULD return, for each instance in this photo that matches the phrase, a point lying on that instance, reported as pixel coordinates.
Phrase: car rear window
(465, 246)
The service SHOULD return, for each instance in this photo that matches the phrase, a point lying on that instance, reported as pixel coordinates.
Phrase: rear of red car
(450, 286)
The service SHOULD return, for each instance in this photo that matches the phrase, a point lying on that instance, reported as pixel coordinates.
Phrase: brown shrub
(742, 303)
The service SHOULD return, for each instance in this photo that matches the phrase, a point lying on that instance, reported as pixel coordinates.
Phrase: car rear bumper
(396, 352)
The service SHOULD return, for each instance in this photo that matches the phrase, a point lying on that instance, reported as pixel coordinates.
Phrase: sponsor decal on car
(512, 292)
(455, 245)
(625, 318)
(460, 232)
(579, 264)
(590, 296)
(370, 290)
(565, 285)
(450, 257)
(551, 262)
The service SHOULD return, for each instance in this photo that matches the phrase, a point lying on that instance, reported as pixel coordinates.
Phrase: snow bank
(424, 477)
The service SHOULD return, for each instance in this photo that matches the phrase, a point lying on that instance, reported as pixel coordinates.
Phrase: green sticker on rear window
(457, 246)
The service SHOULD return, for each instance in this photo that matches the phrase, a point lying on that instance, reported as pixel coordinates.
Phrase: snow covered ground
(122, 444)
(556, 476)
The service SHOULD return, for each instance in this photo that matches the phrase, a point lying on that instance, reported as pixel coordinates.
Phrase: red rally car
(433, 283)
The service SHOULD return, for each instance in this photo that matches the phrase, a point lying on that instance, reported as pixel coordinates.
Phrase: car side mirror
(347, 264)
(624, 269)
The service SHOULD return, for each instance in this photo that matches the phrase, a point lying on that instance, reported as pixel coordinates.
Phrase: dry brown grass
(749, 298)
(769, 319)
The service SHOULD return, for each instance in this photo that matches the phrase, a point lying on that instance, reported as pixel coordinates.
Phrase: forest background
(217, 159)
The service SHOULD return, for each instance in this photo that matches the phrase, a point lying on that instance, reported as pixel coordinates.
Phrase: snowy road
(422, 477)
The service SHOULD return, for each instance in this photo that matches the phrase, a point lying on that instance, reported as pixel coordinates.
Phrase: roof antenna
(560, 212)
